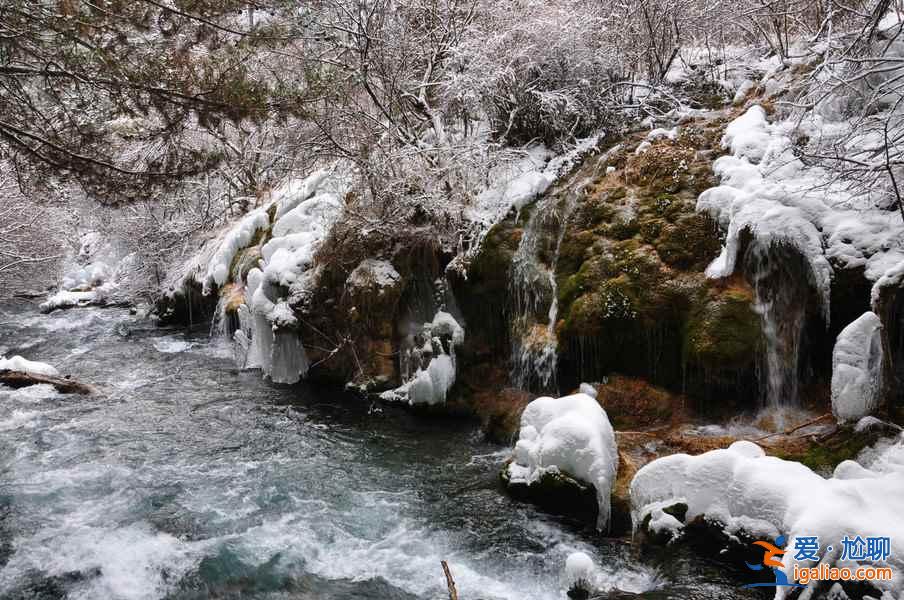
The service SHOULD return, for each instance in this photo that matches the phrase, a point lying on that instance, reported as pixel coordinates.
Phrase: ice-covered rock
(570, 435)
(17, 363)
(740, 489)
(430, 384)
(857, 369)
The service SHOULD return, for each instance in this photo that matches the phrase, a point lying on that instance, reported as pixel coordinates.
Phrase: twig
(450, 583)
(793, 429)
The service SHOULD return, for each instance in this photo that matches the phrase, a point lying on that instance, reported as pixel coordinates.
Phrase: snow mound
(741, 489)
(17, 363)
(857, 369)
(571, 434)
(578, 570)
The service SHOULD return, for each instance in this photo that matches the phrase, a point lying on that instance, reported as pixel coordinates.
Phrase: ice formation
(857, 369)
(17, 363)
(237, 237)
(741, 489)
(301, 211)
(573, 435)
(767, 190)
(428, 367)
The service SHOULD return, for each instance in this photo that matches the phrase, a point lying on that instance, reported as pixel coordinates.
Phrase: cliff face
(604, 274)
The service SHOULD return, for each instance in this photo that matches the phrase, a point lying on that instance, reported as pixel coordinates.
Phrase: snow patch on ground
(571, 434)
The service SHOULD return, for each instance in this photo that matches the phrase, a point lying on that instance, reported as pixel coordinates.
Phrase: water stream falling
(781, 301)
(534, 290)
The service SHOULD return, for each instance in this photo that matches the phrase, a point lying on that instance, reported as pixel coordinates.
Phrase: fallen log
(21, 379)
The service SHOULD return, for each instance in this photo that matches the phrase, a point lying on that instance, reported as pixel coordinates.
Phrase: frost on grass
(569, 435)
(17, 363)
(857, 369)
(740, 489)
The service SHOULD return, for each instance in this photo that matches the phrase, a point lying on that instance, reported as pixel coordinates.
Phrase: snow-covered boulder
(17, 363)
(740, 490)
(568, 436)
(857, 369)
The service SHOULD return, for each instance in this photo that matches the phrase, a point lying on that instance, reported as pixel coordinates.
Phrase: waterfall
(534, 291)
(781, 291)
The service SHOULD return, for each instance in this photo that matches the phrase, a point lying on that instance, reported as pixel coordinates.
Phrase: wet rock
(557, 493)
(19, 379)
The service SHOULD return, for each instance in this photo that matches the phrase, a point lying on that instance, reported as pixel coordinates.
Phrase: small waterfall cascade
(534, 291)
(781, 293)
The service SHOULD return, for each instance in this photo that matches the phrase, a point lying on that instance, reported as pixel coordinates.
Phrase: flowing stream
(186, 478)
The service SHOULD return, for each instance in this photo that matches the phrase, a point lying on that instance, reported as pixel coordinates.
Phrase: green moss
(725, 331)
(574, 250)
(824, 456)
(691, 243)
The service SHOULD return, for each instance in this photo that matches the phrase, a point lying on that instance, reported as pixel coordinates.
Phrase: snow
(91, 276)
(304, 210)
(238, 237)
(445, 324)
(579, 569)
(571, 434)
(589, 389)
(428, 386)
(431, 384)
(67, 299)
(857, 369)
(765, 189)
(742, 489)
(371, 271)
(17, 363)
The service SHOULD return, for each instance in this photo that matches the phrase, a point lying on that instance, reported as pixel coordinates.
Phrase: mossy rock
(690, 244)
(725, 332)
(244, 260)
(663, 168)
